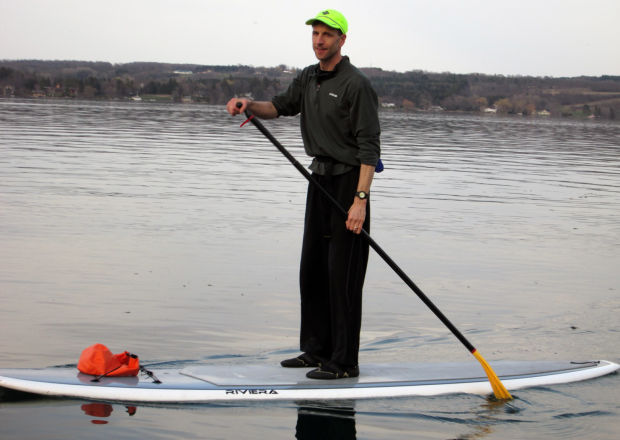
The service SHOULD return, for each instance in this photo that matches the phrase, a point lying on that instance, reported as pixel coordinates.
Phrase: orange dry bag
(98, 360)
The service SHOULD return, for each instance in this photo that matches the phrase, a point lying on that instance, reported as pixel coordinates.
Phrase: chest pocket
(332, 103)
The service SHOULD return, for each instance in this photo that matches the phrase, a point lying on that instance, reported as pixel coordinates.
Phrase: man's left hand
(357, 216)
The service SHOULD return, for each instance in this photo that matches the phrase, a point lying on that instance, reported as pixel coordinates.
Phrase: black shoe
(329, 373)
(304, 360)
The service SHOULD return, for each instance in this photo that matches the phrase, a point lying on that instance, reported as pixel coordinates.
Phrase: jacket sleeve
(365, 123)
(289, 102)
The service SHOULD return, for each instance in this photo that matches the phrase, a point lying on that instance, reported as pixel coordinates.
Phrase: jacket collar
(323, 75)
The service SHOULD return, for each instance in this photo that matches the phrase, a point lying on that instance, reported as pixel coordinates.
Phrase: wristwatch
(362, 195)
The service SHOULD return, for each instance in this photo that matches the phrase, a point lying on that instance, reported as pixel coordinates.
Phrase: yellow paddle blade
(499, 389)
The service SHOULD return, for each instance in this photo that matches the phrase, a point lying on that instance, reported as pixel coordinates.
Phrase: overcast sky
(510, 37)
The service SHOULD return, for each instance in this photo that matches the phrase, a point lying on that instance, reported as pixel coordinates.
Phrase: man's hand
(232, 108)
(261, 109)
(357, 215)
(357, 211)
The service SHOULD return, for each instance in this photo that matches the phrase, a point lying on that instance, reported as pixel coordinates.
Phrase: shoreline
(169, 100)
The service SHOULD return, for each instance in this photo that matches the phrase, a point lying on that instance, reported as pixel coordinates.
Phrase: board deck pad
(260, 375)
(210, 383)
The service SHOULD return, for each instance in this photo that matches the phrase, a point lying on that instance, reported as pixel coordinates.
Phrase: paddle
(499, 389)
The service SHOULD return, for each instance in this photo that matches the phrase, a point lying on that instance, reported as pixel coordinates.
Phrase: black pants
(333, 267)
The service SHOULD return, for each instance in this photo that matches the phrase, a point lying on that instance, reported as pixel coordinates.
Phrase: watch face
(361, 194)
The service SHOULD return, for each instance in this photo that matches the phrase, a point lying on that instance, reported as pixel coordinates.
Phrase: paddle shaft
(371, 241)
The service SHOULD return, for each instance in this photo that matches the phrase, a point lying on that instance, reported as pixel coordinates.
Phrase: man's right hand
(232, 108)
(260, 109)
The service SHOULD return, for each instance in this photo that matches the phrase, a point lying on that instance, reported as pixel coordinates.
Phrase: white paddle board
(212, 383)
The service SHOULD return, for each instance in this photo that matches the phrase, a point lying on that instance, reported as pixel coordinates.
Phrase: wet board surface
(210, 383)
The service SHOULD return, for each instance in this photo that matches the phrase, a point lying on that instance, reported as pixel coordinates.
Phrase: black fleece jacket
(339, 116)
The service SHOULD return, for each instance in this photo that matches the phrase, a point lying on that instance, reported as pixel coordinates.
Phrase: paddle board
(212, 383)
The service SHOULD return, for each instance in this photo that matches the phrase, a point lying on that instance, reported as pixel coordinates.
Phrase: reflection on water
(100, 411)
(326, 421)
(169, 231)
(336, 420)
(314, 421)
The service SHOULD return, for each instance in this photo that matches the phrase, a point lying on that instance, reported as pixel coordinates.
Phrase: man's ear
(343, 38)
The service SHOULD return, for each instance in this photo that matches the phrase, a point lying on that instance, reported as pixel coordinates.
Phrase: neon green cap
(331, 18)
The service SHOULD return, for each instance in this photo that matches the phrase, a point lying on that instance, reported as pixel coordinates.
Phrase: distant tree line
(415, 90)
(581, 96)
(207, 84)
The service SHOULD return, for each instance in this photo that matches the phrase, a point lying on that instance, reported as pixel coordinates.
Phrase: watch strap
(362, 195)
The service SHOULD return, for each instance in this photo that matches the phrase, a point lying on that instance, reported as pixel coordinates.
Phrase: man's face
(326, 42)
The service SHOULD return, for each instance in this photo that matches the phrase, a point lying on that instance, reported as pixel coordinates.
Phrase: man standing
(340, 130)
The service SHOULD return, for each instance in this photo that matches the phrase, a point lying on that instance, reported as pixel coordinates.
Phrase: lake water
(171, 232)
